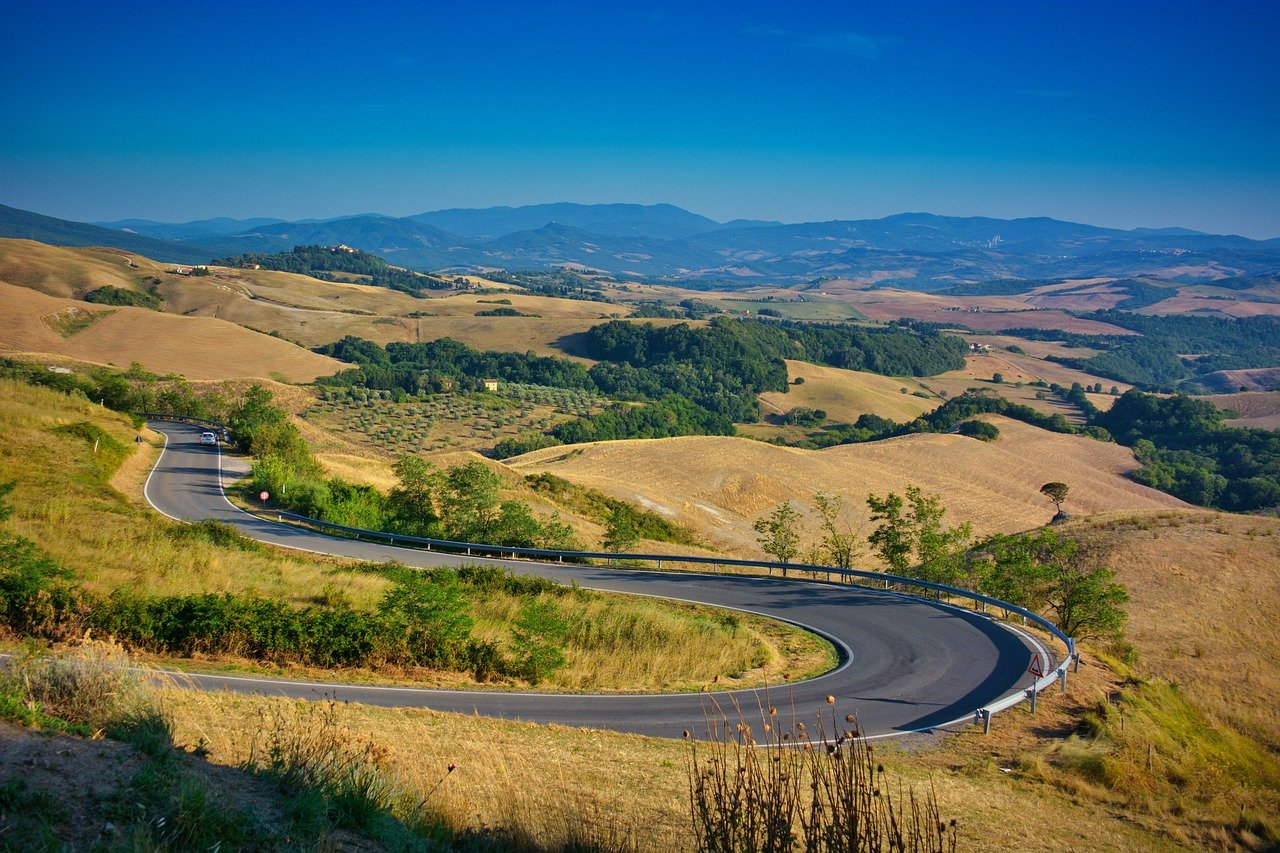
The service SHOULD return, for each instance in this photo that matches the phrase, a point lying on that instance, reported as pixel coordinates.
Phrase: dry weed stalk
(777, 787)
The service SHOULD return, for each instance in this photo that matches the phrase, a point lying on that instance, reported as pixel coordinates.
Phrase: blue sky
(1120, 114)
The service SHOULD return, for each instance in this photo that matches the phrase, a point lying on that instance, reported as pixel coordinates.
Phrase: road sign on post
(1035, 669)
(262, 496)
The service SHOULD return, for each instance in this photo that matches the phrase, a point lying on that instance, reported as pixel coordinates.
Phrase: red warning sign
(1035, 669)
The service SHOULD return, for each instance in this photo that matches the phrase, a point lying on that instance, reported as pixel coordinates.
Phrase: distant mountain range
(662, 241)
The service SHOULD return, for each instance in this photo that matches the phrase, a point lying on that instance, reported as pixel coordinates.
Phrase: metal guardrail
(981, 716)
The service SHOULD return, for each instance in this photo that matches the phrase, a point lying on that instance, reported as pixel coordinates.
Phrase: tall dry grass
(776, 785)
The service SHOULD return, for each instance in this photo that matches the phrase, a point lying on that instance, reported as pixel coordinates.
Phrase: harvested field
(197, 347)
(988, 314)
(71, 273)
(846, 394)
(718, 486)
(1230, 306)
(1205, 605)
(1257, 409)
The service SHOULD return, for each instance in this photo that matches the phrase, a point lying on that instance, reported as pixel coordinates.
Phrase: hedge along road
(906, 664)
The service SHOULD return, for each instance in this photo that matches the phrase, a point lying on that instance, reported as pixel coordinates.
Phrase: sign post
(1035, 669)
(262, 496)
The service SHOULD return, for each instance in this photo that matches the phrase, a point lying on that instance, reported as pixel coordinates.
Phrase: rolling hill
(36, 325)
(719, 486)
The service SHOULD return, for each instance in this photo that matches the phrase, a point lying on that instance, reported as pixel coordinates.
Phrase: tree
(621, 534)
(538, 639)
(916, 543)
(980, 430)
(997, 378)
(469, 501)
(414, 499)
(1056, 492)
(1048, 571)
(778, 535)
(839, 543)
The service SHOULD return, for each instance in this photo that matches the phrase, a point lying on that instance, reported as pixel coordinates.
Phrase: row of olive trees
(1042, 571)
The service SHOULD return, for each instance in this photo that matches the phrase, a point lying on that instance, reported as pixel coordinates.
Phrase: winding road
(906, 664)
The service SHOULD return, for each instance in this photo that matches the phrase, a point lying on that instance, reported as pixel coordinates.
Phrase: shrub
(980, 430)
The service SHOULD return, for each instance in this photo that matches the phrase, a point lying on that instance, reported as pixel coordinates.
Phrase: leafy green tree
(1048, 571)
(779, 536)
(538, 639)
(413, 501)
(427, 613)
(980, 430)
(997, 378)
(839, 542)
(1056, 492)
(621, 534)
(911, 537)
(469, 501)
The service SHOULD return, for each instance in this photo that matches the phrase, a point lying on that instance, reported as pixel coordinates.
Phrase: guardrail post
(986, 720)
(1075, 661)
(1062, 678)
(1032, 693)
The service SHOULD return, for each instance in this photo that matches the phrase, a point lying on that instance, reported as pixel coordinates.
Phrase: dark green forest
(1169, 351)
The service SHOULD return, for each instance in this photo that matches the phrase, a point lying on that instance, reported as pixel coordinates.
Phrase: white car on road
(208, 438)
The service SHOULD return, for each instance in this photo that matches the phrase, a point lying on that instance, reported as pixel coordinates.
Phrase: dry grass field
(846, 394)
(719, 486)
(309, 311)
(981, 313)
(564, 785)
(1205, 605)
(1015, 368)
(1257, 409)
(197, 347)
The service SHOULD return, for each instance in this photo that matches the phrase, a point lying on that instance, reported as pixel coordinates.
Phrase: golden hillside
(846, 394)
(37, 325)
(1204, 608)
(719, 485)
(307, 310)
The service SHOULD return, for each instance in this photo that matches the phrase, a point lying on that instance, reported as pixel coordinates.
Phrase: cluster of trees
(561, 283)
(1041, 571)
(130, 391)
(693, 380)
(951, 414)
(109, 294)
(1152, 359)
(804, 416)
(1187, 450)
(316, 261)
(428, 367)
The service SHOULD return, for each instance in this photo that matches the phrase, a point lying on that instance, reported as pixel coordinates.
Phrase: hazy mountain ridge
(915, 250)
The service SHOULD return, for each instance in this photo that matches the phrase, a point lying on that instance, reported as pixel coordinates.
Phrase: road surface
(906, 664)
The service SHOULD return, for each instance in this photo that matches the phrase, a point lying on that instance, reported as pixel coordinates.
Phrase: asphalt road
(907, 664)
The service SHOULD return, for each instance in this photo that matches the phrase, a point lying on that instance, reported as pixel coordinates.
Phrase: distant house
(491, 385)
(251, 266)
(181, 270)
(342, 247)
